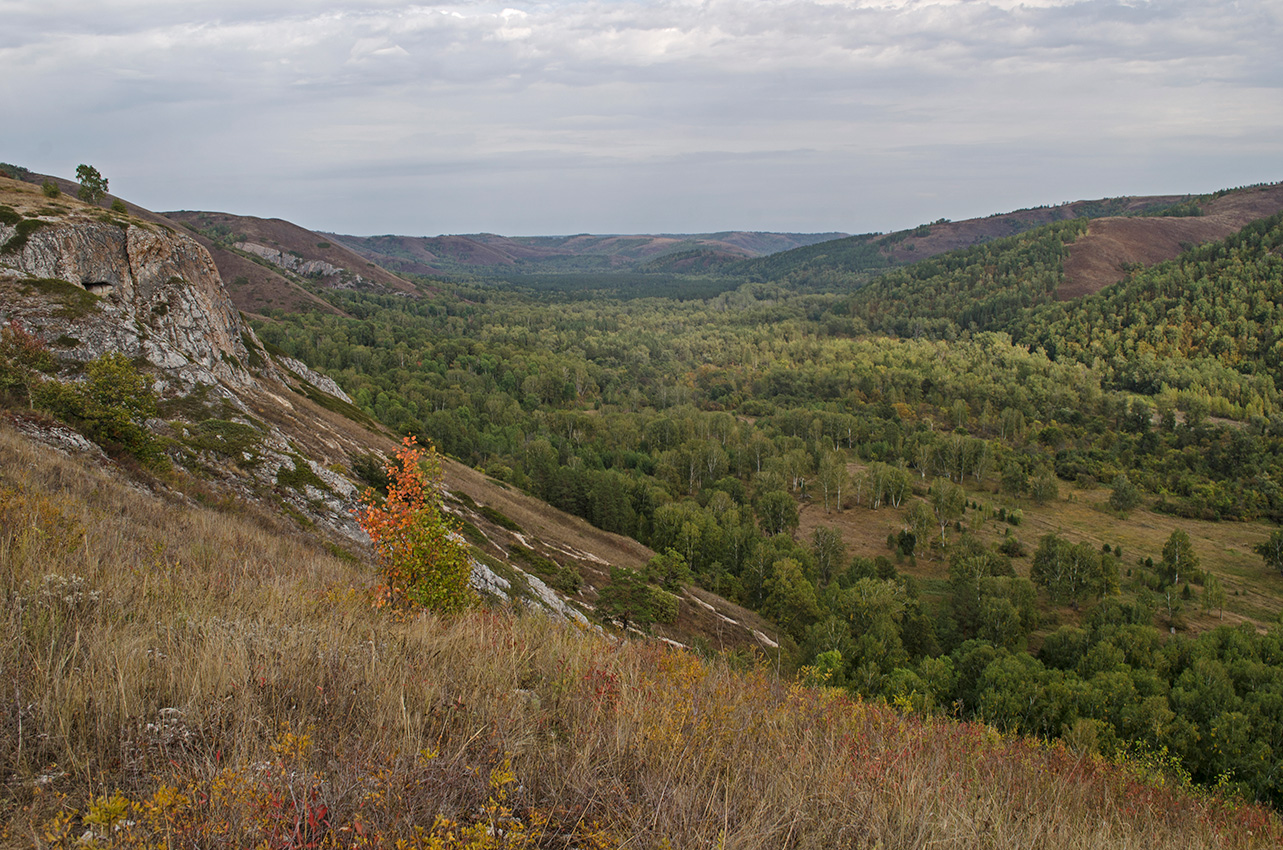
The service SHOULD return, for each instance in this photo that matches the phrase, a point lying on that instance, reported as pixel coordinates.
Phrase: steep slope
(985, 287)
(265, 261)
(120, 283)
(187, 677)
(255, 427)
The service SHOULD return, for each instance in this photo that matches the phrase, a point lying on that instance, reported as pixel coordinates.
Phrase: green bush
(50, 189)
(23, 229)
(663, 605)
(111, 407)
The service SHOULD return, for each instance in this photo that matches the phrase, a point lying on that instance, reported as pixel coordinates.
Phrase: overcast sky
(628, 116)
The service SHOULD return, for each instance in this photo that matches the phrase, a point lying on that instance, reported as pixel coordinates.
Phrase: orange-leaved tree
(425, 563)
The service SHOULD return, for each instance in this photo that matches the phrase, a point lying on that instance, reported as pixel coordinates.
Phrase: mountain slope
(1124, 230)
(985, 287)
(81, 284)
(265, 261)
(189, 677)
(1100, 257)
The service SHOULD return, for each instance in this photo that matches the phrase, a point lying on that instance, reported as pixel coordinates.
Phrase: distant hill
(1099, 258)
(985, 287)
(1158, 224)
(507, 255)
(264, 261)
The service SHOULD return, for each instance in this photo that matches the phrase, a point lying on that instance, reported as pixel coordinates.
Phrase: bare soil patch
(1097, 258)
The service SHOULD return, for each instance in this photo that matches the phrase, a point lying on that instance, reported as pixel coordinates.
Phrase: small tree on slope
(424, 563)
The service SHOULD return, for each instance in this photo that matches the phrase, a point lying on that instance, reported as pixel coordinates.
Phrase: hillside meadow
(187, 677)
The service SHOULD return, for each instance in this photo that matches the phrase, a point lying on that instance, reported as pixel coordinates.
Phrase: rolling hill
(1123, 231)
(507, 255)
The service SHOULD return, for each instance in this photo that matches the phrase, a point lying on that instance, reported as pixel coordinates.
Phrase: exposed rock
(324, 383)
(160, 298)
(333, 275)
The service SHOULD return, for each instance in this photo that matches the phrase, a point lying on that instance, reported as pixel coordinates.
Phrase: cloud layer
(618, 116)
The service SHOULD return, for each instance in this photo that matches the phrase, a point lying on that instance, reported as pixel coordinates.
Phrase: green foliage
(1204, 325)
(50, 189)
(237, 441)
(696, 427)
(118, 206)
(982, 288)
(92, 184)
(626, 599)
(1044, 488)
(1072, 573)
(299, 475)
(949, 502)
(1272, 551)
(664, 606)
(668, 570)
(371, 470)
(9, 216)
(563, 577)
(14, 172)
(622, 285)
(777, 512)
(1179, 557)
(111, 406)
(22, 232)
(1124, 494)
(498, 518)
(424, 562)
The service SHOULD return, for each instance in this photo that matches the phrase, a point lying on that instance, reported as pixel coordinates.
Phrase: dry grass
(181, 677)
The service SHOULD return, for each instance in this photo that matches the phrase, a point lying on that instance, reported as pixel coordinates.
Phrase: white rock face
(161, 297)
(333, 275)
(324, 383)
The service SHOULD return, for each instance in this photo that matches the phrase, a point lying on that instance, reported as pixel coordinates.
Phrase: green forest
(948, 399)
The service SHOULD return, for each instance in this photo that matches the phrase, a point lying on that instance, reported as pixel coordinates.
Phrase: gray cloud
(667, 115)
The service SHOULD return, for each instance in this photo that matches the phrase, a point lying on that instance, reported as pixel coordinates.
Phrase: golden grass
(180, 677)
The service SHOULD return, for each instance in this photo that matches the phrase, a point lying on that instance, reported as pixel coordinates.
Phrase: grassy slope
(233, 684)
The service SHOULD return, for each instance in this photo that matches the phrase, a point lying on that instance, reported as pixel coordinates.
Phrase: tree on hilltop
(92, 184)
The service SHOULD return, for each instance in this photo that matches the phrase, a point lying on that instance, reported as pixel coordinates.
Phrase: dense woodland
(955, 392)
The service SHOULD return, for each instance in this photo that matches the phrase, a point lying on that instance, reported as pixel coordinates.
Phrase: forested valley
(860, 456)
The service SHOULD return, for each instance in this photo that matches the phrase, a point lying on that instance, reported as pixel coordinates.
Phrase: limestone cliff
(158, 296)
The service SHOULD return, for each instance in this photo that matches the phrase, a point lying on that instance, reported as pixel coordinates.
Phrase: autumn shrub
(424, 561)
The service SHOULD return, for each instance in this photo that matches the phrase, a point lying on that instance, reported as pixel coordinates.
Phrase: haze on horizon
(632, 116)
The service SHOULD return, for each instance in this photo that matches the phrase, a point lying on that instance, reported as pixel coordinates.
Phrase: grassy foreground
(179, 677)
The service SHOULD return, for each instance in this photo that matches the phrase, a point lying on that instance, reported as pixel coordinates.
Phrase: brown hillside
(1096, 259)
(954, 235)
(256, 284)
(285, 236)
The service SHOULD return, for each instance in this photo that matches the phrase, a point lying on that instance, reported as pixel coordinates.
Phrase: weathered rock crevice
(161, 298)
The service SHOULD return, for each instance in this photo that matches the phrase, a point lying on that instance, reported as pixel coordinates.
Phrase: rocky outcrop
(160, 297)
(331, 274)
(324, 383)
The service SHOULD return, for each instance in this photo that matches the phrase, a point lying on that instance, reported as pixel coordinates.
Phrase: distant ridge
(488, 252)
